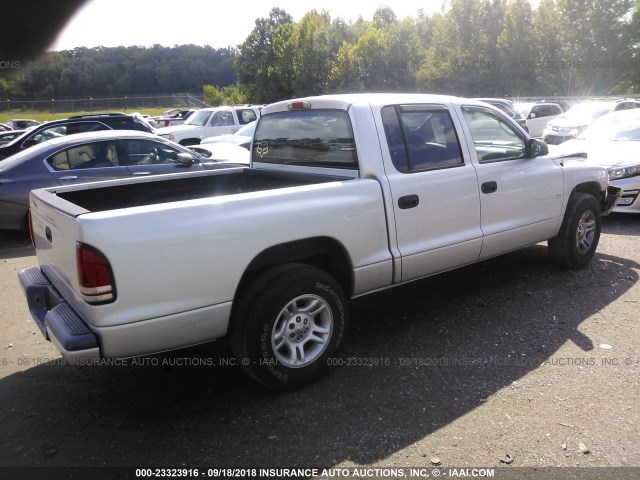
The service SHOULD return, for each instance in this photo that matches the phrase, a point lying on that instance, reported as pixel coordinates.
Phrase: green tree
(549, 50)
(594, 43)
(229, 95)
(462, 56)
(630, 55)
(256, 62)
(384, 16)
(345, 72)
(516, 49)
(310, 54)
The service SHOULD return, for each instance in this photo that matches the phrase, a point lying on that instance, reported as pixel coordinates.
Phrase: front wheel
(579, 234)
(287, 326)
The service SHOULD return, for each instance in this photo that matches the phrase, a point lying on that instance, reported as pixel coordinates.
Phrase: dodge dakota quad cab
(345, 195)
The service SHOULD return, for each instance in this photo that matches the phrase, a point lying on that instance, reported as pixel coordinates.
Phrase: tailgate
(55, 233)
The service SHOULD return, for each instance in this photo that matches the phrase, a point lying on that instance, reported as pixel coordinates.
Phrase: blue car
(88, 157)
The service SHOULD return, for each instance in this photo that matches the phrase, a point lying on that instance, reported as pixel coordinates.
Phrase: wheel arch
(325, 253)
(590, 188)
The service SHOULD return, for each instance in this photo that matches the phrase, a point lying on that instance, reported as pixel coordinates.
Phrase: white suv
(580, 116)
(211, 122)
(537, 115)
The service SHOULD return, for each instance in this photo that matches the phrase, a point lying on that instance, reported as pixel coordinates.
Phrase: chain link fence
(170, 100)
(115, 104)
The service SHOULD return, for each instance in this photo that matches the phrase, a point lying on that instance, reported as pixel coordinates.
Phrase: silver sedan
(613, 141)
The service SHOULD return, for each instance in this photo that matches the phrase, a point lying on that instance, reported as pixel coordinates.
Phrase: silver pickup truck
(345, 195)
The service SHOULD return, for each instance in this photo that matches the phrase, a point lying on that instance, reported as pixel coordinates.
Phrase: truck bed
(176, 188)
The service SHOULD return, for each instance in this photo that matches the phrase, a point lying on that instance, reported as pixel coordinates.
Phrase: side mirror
(532, 115)
(185, 158)
(29, 143)
(536, 148)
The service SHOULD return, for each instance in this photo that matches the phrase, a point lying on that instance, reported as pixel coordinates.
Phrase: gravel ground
(512, 359)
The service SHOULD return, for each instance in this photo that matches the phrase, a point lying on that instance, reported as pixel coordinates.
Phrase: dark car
(88, 157)
(9, 135)
(73, 125)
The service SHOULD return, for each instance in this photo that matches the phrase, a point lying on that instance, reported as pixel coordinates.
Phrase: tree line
(471, 48)
(119, 71)
(474, 48)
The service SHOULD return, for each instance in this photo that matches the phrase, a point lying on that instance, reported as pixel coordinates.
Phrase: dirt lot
(512, 356)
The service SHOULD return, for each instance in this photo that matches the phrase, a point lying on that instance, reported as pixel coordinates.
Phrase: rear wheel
(579, 234)
(289, 323)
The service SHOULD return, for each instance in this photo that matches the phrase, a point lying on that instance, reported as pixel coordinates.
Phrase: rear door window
(222, 119)
(421, 137)
(90, 155)
(246, 116)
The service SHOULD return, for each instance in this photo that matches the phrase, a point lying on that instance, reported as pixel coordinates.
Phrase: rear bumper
(73, 337)
(56, 320)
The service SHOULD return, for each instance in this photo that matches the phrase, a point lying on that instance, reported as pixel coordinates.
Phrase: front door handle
(69, 177)
(408, 201)
(142, 173)
(489, 187)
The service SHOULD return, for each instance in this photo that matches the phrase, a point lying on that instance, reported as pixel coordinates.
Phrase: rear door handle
(69, 177)
(489, 187)
(408, 201)
(142, 173)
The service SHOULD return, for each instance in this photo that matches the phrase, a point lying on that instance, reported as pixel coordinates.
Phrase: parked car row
(612, 141)
(577, 118)
(76, 124)
(105, 146)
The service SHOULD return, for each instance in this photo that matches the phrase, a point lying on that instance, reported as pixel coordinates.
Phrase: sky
(111, 23)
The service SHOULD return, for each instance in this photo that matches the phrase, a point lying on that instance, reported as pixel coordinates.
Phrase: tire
(288, 325)
(579, 234)
(189, 141)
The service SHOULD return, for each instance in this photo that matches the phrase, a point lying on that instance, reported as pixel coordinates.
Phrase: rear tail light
(95, 276)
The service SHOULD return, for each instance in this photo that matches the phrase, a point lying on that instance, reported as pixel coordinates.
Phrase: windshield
(623, 126)
(199, 118)
(247, 130)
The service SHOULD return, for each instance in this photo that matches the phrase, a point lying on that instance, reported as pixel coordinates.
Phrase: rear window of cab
(318, 138)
